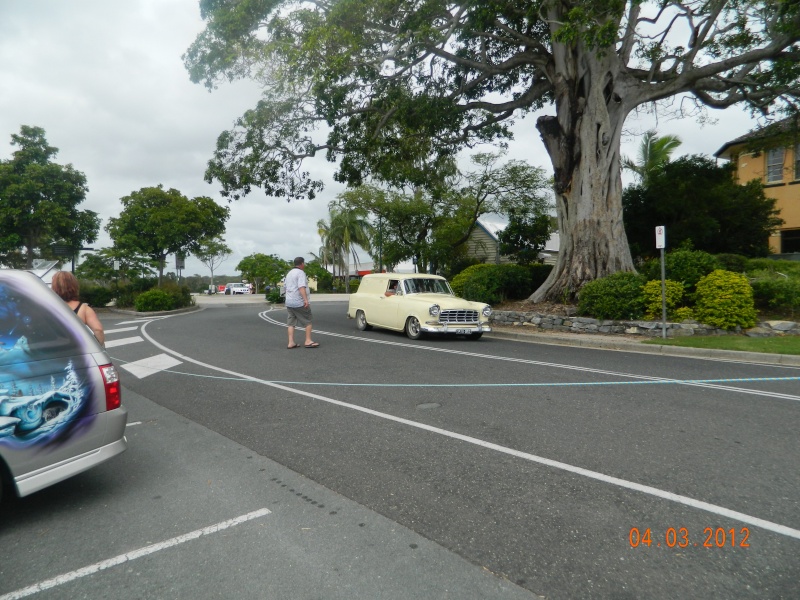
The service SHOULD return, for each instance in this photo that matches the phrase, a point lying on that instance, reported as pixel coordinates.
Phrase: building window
(774, 165)
(790, 241)
(797, 161)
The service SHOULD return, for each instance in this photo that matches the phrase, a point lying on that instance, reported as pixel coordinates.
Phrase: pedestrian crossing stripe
(148, 366)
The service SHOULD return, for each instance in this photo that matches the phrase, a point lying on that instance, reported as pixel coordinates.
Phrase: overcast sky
(105, 80)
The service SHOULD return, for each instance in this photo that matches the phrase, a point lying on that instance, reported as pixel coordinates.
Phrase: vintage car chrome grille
(458, 316)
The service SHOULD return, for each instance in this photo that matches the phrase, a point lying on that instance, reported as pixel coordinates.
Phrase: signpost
(661, 243)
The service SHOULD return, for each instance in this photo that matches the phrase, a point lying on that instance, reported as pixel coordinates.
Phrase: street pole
(661, 242)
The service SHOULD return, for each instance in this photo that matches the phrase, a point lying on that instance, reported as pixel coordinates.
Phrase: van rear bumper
(46, 476)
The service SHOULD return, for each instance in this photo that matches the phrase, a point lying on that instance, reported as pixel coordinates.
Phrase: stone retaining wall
(574, 324)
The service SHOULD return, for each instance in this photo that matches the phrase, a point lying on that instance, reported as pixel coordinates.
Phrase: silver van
(60, 397)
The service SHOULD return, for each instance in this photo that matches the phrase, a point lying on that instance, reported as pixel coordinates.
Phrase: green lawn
(789, 344)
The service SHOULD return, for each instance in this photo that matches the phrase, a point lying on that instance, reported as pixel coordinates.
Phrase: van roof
(402, 276)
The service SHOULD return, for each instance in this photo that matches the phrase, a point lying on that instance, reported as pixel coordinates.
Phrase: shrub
(515, 281)
(484, 285)
(732, 262)
(95, 295)
(779, 294)
(725, 300)
(180, 294)
(459, 280)
(152, 300)
(538, 275)
(618, 297)
(758, 266)
(683, 313)
(685, 266)
(496, 283)
(354, 283)
(651, 296)
(274, 296)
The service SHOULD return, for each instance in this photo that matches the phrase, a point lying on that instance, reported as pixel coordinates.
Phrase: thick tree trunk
(583, 142)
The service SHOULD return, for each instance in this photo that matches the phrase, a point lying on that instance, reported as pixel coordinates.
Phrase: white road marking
(134, 423)
(145, 320)
(123, 341)
(121, 329)
(133, 555)
(631, 485)
(148, 366)
(552, 365)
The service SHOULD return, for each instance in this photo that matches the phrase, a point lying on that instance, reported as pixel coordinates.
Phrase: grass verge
(774, 345)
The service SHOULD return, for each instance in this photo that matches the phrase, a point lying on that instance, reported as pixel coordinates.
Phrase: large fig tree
(384, 85)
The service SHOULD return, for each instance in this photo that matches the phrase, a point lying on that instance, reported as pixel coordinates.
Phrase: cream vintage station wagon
(416, 303)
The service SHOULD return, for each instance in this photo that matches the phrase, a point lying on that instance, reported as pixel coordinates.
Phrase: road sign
(661, 237)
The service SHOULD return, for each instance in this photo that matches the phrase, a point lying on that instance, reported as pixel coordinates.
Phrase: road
(430, 469)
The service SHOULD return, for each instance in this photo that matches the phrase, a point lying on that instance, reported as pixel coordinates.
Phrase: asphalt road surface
(443, 468)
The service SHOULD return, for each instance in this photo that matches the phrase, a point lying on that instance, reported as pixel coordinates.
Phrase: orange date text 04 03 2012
(712, 537)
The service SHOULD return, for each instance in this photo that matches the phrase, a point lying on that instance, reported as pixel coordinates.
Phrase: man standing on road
(297, 303)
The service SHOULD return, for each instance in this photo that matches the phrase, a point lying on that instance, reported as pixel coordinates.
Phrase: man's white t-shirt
(295, 280)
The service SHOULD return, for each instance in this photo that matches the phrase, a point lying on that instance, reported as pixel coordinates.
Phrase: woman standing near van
(66, 286)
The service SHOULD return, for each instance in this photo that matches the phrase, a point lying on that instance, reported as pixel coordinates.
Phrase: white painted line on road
(121, 329)
(540, 363)
(133, 423)
(148, 366)
(145, 320)
(631, 485)
(123, 341)
(128, 556)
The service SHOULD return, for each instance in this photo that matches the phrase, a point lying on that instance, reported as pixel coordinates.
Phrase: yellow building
(772, 155)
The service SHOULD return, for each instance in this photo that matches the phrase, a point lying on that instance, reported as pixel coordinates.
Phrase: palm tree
(654, 153)
(331, 250)
(346, 228)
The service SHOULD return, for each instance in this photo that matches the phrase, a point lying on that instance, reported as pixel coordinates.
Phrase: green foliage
(180, 294)
(398, 88)
(170, 296)
(156, 223)
(685, 266)
(274, 296)
(494, 284)
(698, 200)
(434, 223)
(525, 237)
(732, 262)
(725, 300)
(354, 284)
(538, 275)
(651, 295)
(617, 297)
(263, 269)
(683, 313)
(39, 202)
(760, 266)
(154, 300)
(777, 294)
(460, 280)
(95, 295)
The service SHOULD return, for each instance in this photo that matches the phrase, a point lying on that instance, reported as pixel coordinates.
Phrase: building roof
(778, 127)
(552, 244)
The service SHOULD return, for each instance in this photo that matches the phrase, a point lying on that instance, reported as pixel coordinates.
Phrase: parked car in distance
(232, 289)
(60, 400)
(416, 303)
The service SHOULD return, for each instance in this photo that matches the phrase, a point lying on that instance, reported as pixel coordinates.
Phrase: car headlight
(487, 310)
(434, 310)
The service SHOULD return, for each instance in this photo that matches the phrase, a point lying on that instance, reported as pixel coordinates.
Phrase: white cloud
(106, 81)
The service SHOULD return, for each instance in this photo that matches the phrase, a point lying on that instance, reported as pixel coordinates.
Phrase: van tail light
(113, 390)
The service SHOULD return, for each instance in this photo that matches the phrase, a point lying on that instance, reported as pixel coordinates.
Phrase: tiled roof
(763, 132)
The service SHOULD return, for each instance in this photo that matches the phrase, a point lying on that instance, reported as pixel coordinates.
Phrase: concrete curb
(606, 343)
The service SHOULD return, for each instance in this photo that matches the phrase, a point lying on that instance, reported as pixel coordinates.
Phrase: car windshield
(426, 286)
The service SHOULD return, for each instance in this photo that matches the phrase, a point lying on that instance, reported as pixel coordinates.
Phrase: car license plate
(463, 331)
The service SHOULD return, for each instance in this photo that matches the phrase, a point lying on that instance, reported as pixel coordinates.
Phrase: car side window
(392, 288)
